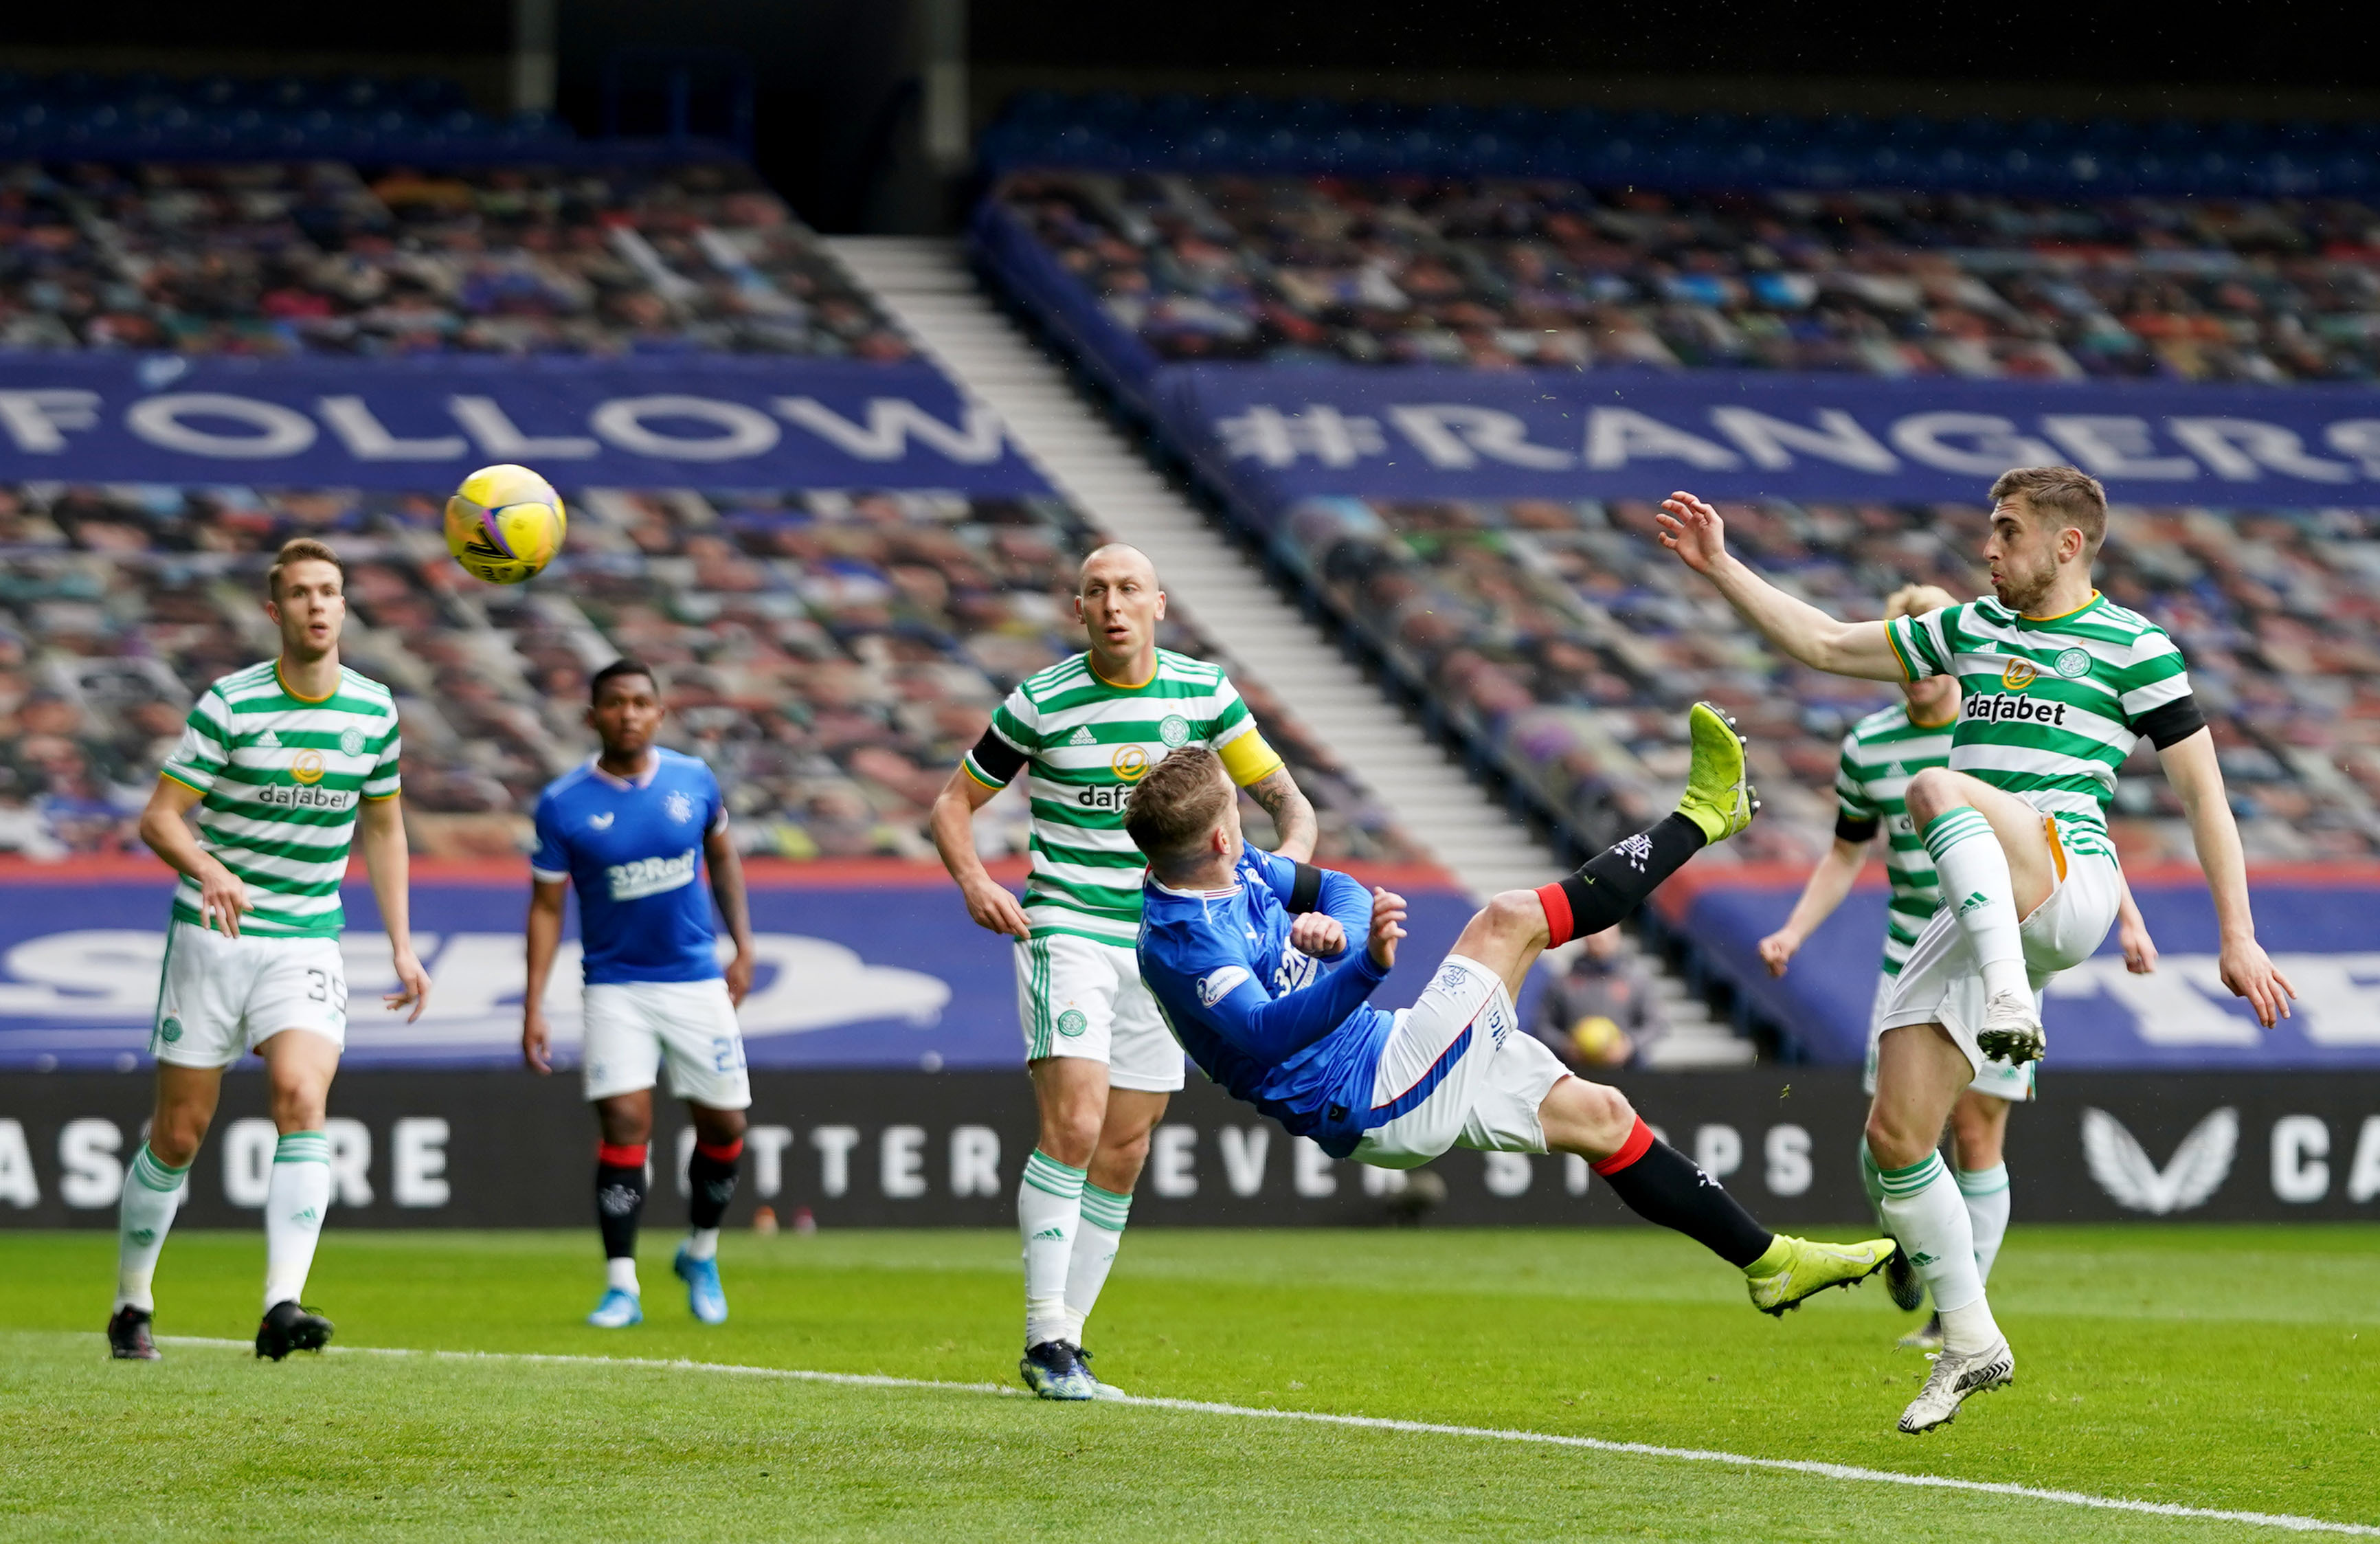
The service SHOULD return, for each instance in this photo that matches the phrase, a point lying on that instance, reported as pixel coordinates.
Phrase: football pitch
(2230, 1369)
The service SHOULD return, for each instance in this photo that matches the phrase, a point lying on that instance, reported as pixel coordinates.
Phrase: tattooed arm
(1292, 815)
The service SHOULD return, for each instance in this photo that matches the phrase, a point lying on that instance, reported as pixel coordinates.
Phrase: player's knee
(175, 1136)
(718, 1127)
(1892, 1143)
(1591, 1119)
(1931, 792)
(1071, 1136)
(1516, 913)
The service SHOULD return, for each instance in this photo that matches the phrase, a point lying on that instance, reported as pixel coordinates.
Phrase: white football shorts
(633, 1026)
(1941, 982)
(1078, 997)
(219, 998)
(1456, 1072)
(1998, 1078)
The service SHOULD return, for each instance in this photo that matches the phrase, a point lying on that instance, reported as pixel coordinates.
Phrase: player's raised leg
(1995, 864)
(299, 1067)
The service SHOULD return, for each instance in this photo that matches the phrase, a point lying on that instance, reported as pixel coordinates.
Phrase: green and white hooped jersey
(283, 778)
(2051, 706)
(1883, 751)
(1084, 742)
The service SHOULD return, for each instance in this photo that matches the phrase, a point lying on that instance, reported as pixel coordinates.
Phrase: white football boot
(2011, 1030)
(1956, 1376)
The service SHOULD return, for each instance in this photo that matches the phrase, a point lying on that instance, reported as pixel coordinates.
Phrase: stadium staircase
(929, 290)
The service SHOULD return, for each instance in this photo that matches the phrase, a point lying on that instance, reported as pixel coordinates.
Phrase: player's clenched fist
(1691, 528)
(1319, 934)
(1388, 926)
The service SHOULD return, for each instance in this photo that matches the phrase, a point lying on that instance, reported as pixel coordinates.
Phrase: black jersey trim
(1856, 832)
(998, 758)
(1306, 891)
(2169, 724)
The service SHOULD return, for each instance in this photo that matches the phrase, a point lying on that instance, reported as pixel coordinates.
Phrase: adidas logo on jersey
(268, 741)
(1082, 737)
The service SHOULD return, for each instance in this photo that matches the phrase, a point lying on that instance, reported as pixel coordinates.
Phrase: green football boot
(1794, 1269)
(1720, 796)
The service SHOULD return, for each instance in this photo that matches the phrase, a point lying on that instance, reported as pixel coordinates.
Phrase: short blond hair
(301, 548)
(1180, 800)
(1916, 600)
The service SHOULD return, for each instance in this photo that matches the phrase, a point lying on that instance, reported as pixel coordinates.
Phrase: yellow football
(505, 523)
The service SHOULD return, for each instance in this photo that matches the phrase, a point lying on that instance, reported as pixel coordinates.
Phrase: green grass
(2215, 1367)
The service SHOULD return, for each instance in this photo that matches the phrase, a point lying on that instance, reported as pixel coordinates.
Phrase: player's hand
(2140, 949)
(413, 985)
(2249, 972)
(739, 977)
(535, 1041)
(1388, 926)
(1691, 528)
(996, 910)
(223, 897)
(1317, 933)
(1777, 948)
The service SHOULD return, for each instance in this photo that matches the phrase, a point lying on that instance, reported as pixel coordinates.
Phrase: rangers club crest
(680, 807)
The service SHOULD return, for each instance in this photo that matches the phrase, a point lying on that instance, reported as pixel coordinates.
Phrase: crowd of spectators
(829, 654)
(1504, 274)
(1562, 634)
(279, 259)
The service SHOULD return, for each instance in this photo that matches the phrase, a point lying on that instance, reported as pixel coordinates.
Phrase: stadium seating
(832, 654)
(280, 258)
(226, 117)
(1499, 274)
(1564, 638)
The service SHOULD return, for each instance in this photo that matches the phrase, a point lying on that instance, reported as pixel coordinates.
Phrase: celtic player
(2058, 685)
(282, 761)
(1881, 754)
(1102, 1063)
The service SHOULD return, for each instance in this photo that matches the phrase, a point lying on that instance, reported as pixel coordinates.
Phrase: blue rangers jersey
(634, 853)
(1278, 1028)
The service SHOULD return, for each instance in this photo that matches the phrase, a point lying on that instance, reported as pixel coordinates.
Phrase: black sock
(619, 1202)
(710, 1174)
(1661, 1184)
(1616, 880)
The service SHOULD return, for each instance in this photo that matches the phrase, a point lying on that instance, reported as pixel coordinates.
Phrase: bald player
(1103, 1064)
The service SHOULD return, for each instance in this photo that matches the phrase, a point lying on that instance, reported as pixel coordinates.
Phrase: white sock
(152, 1193)
(1986, 1191)
(295, 1203)
(1975, 885)
(620, 1275)
(702, 1244)
(1049, 1211)
(1101, 1234)
(1929, 1217)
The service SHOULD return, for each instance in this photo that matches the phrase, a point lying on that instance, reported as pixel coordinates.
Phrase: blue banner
(1275, 435)
(2099, 1015)
(674, 422)
(851, 975)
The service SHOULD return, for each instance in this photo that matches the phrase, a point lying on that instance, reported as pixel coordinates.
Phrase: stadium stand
(226, 117)
(1561, 635)
(1497, 274)
(831, 653)
(280, 258)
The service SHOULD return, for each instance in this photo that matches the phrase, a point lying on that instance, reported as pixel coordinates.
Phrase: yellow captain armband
(1249, 760)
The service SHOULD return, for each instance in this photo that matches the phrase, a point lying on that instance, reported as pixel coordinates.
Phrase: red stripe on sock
(1640, 1138)
(728, 1153)
(1556, 905)
(619, 1156)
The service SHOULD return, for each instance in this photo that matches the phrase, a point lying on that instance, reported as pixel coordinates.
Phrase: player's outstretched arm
(2197, 779)
(734, 908)
(987, 901)
(543, 931)
(223, 896)
(1291, 811)
(380, 827)
(1829, 882)
(1692, 528)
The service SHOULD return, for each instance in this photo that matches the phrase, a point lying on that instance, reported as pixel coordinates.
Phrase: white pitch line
(1377, 1422)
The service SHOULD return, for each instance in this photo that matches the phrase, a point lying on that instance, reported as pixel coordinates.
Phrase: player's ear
(1159, 612)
